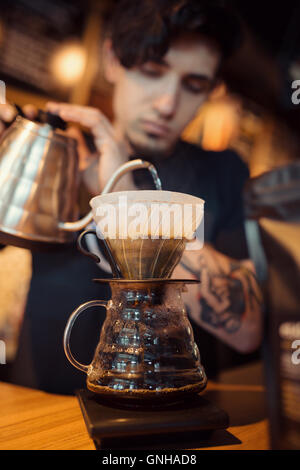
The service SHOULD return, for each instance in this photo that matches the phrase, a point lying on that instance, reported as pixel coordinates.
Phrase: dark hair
(142, 30)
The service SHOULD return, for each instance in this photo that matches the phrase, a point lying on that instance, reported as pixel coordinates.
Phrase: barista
(163, 59)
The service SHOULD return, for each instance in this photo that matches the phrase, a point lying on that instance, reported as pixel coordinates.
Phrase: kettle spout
(125, 168)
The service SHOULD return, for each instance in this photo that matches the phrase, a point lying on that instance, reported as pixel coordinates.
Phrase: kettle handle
(125, 168)
(68, 329)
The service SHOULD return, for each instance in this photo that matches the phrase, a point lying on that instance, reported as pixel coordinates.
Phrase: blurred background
(52, 50)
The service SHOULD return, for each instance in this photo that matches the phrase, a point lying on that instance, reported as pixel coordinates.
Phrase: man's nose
(166, 103)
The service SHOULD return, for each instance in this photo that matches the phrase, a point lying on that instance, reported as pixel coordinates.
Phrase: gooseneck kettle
(39, 180)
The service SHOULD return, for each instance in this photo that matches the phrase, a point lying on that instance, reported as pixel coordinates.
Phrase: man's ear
(111, 64)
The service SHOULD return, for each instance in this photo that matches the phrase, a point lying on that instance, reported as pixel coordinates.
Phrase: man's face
(153, 103)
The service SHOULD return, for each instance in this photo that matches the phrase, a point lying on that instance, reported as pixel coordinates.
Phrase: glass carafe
(146, 350)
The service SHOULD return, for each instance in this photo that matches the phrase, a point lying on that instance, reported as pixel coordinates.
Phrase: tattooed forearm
(228, 290)
(228, 318)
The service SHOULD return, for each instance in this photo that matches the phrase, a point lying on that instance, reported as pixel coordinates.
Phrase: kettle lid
(44, 117)
(56, 122)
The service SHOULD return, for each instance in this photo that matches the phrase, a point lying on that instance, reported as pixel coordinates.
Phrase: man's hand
(96, 169)
(111, 148)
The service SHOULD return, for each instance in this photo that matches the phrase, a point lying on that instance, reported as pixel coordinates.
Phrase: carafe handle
(68, 329)
(110, 259)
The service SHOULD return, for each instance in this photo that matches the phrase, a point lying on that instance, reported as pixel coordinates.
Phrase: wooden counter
(32, 419)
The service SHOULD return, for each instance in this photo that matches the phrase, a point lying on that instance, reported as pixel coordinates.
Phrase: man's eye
(197, 88)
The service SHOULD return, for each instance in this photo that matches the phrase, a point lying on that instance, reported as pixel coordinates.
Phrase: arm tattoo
(225, 297)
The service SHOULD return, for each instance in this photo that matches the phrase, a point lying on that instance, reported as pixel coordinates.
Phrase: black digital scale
(183, 424)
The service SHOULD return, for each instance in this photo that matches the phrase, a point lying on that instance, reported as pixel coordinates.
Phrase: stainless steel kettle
(39, 181)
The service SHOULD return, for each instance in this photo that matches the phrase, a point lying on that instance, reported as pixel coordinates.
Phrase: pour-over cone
(147, 231)
(143, 259)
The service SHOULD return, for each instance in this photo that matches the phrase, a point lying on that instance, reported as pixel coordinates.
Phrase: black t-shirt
(62, 279)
